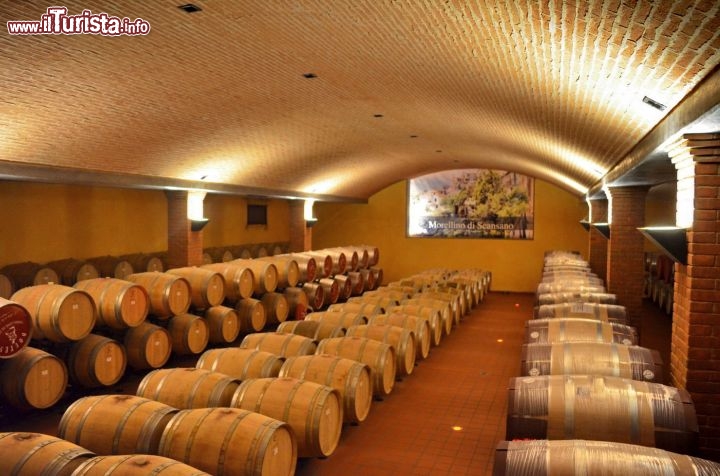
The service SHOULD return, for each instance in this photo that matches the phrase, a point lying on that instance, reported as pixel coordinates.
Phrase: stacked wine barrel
(586, 386)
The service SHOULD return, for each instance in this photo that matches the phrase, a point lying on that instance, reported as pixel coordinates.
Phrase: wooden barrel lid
(15, 328)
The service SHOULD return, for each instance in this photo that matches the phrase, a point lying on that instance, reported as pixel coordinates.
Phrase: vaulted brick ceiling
(552, 90)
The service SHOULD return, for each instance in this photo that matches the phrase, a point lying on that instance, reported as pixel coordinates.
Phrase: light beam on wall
(195, 211)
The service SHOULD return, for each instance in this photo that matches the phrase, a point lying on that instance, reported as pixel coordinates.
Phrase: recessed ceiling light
(309, 75)
(377, 115)
(189, 8)
(654, 103)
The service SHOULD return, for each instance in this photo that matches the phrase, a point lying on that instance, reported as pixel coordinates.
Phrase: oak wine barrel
(380, 357)
(189, 387)
(284, 345)
(169, 294)
(241, 363)
(16, 328)
(39, 454)
(313, 411)
(120, 304)
(115, 424)
(207, 287)
(261, 445)
(569, 457)
(148, 346)
(72, 270)
(223, 325)
(135, 465)
(33, 379)
(349, 377)
(96, 361)
(60, 313)
(561, 407)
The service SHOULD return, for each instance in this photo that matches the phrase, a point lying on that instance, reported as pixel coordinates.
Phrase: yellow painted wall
(228, 218)
(46, 222)
(516, 264)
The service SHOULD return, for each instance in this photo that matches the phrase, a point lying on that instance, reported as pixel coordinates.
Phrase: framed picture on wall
(471, 203)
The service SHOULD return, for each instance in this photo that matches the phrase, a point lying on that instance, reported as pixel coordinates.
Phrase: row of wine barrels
(566, 457)
(111, 266)
(313, 411)
(22, 275)
(126, 424)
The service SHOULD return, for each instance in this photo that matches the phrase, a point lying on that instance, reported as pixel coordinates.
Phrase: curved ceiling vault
(219, 98)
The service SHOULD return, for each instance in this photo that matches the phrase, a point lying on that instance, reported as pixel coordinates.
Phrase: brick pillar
(598, 252)
(300, 234)
(185, 247)
(695, 347)
(626, 259)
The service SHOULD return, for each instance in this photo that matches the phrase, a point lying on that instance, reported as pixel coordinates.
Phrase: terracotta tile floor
(463, 383)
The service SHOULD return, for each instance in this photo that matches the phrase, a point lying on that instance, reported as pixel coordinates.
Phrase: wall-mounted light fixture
(310, 220)
(672, 240)
(603, 228)
(195, 210)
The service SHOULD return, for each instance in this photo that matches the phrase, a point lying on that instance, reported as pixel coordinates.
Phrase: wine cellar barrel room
(387, 237)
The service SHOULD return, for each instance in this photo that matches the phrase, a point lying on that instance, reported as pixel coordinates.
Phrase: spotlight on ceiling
(189, 8)
(654, 103)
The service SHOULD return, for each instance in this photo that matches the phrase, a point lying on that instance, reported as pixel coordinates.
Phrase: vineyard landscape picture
(471, 203)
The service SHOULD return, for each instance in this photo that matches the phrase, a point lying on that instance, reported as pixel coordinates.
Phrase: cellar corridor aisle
(448, 416)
